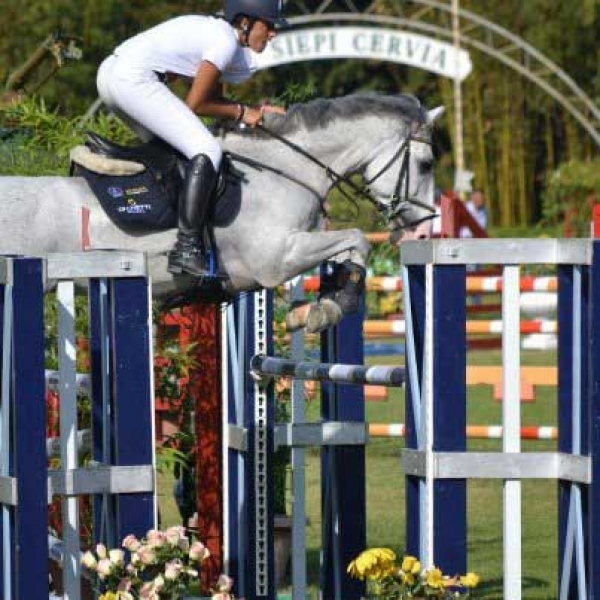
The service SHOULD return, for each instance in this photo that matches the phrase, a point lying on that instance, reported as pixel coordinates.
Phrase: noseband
(397, 204)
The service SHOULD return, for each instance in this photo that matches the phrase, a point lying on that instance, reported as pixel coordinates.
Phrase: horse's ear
(435, 113)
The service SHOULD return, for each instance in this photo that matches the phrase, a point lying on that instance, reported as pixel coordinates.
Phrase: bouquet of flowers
(161, 566)
(389, 580)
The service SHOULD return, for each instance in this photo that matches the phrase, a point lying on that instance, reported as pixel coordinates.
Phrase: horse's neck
(335, 146)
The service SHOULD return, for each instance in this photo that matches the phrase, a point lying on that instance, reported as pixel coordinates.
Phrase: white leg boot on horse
(349, 249)
(340, 295)
(194, 201)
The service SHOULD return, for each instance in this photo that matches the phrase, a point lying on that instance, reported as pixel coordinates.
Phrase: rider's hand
(252, 116)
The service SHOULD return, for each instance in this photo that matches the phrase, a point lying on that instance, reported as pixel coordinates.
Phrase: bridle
(397, 203)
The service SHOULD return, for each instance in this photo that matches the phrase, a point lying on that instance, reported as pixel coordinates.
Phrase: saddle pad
(135, 203)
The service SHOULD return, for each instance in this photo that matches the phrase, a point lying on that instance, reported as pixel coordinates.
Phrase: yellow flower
(109, 596)
(434, 578)
(408, 578)
(374, 564)
(470, 580)
(411, 565)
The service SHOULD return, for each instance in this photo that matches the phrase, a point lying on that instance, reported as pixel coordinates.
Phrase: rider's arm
(203, 98)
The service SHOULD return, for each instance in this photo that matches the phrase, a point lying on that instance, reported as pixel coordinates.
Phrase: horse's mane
(321, 112)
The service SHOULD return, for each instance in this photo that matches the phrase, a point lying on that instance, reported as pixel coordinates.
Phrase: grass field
(385, 490)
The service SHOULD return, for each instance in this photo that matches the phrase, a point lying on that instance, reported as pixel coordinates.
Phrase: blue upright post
(415, 299)
(29, 520)
(573, 403)
(235, 388)
(100, 326)
(343, 467)
(233, 550)
(122, 400)
(133, 402)
(446, 303)
(260, 421)
(564, 412)
(449, 413)
(593, 523)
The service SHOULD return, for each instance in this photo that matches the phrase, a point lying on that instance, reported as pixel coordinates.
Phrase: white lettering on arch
(369, 43)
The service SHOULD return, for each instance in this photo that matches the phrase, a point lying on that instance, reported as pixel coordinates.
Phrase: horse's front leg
(341, 296)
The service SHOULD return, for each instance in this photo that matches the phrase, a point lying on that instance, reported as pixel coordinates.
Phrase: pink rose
(174, 534)
(155, 538)
(173, 569)
(198, 551)
(89, 560)
(131, 569)
(159, 583)
(104, 568)
(147, 591)
(224, 583)
(131, 543)
(116, 556)
(146, 555)
(101, 551)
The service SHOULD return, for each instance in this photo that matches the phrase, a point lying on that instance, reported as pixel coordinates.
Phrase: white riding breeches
(149, 108)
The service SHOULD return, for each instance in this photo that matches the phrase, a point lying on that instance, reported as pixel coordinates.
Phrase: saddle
(136, 186)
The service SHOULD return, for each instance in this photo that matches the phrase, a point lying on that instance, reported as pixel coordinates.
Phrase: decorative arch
(432, 21)
(378, 43)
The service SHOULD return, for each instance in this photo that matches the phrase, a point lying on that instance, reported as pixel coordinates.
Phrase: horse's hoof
(323, 315)
(296, 317)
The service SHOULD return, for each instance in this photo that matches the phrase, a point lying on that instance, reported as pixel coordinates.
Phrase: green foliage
(51, 329)
(173, 368)
(571, 193)
(281, 459)
(101, 27)
(38, 138)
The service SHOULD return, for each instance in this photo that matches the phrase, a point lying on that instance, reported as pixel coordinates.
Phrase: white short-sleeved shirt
(181, 44)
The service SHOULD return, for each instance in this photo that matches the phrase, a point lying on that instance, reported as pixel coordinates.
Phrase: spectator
(436, 224)
(476, 206)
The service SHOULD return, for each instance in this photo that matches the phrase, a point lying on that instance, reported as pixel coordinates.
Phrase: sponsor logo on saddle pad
(115, 192)
(136, 191)
(135, 209)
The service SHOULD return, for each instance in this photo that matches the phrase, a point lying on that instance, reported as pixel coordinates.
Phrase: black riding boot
(194, 200)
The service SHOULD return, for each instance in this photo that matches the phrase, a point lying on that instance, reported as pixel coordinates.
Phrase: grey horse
(265, 226)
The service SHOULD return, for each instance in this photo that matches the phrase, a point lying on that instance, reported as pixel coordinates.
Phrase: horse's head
(400, 177)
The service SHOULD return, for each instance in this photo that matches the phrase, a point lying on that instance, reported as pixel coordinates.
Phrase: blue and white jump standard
(436, 464)
(121, 476)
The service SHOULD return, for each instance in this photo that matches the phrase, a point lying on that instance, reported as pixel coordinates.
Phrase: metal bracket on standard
(499, 465)
(329, 433)
(238, 438)
(8, 491)
(101, 480)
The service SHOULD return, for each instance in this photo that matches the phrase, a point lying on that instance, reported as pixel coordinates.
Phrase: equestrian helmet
(266, 10)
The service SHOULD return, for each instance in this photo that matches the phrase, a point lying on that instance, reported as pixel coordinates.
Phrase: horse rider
(209, 51)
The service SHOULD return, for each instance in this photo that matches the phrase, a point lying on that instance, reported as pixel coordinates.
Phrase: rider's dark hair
(238, 19)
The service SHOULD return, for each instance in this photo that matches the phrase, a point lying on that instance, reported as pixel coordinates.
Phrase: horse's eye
(425, 167)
